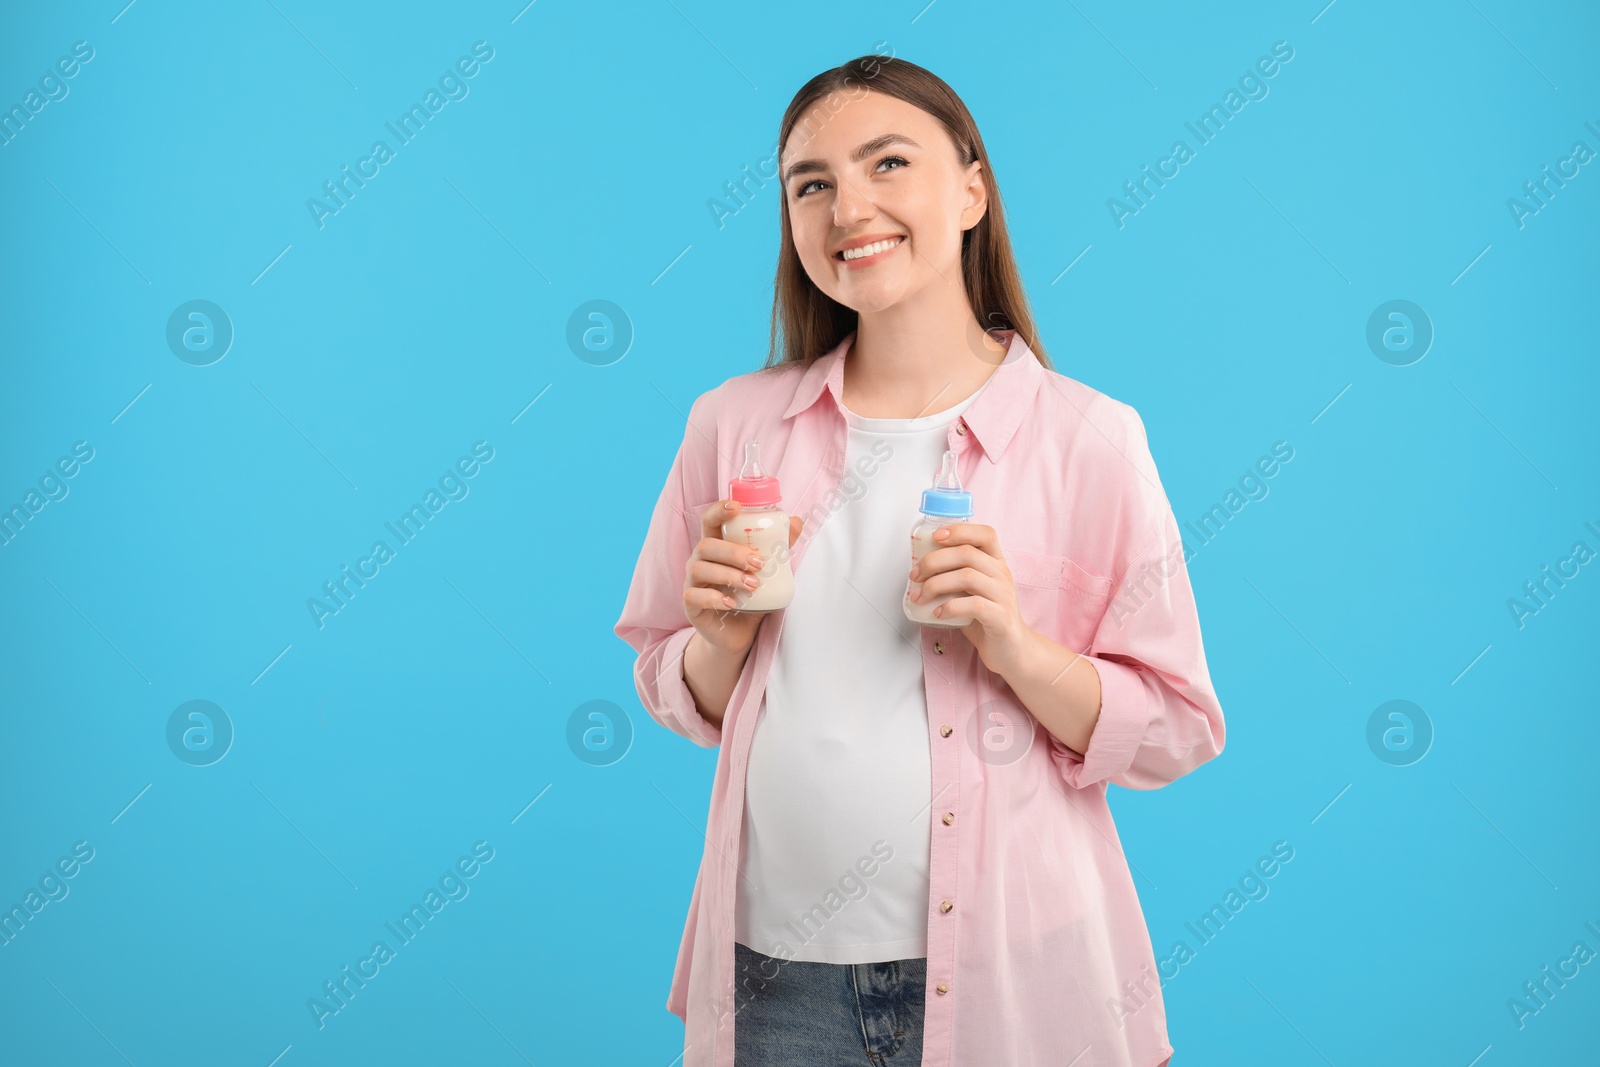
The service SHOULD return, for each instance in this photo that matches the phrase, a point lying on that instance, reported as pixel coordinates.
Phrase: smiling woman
(977, 748)
(923, 180)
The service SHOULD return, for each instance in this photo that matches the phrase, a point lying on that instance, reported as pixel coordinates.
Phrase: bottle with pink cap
(764, 526)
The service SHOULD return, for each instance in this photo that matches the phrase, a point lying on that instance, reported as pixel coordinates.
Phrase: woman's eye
(884, 163)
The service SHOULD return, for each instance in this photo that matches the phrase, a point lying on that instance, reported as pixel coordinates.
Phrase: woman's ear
(977, 196)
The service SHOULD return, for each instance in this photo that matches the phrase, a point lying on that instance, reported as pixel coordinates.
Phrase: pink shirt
(1037, 947)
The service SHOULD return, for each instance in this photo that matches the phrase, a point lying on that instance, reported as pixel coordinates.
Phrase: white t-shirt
(836, 836)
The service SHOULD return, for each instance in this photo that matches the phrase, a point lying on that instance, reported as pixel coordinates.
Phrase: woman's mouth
(867, 255)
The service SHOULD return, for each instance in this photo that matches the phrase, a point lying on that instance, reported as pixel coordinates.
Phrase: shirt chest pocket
(692, 520)
(1059, 598)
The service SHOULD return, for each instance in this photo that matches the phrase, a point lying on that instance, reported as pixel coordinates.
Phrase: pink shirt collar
(993, 417)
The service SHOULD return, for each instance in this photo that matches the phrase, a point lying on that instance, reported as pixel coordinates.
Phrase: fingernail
(751, 580)
(941, 535)
(728, 600)
(757, 562)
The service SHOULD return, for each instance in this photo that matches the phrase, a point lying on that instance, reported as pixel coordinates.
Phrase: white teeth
(872, 249)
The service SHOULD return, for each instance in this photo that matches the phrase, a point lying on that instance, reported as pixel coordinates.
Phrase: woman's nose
(850, 206)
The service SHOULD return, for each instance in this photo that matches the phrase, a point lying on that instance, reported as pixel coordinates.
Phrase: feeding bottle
(943, 504)
(764, 526)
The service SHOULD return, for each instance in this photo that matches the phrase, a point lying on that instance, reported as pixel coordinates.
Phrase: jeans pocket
(753, 973)
(912, 1000)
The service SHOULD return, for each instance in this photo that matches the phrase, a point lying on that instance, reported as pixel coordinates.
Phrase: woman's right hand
(716, 569)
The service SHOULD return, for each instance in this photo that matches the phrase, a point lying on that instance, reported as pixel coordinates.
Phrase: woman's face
(875, 170)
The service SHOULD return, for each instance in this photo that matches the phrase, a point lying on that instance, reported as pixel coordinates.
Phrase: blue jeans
(801, 1014)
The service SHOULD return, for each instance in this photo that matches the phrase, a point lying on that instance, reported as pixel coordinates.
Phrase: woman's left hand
(969, 565)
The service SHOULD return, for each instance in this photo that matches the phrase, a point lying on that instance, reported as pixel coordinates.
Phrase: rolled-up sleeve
(653, 622)
(1159, 715)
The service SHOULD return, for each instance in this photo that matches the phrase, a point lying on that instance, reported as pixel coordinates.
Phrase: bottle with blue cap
(943, 504)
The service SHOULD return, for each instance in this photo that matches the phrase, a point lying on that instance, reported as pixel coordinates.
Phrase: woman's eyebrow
(809, 166)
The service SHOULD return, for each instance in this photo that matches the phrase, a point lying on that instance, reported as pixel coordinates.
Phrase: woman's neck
(917, 359)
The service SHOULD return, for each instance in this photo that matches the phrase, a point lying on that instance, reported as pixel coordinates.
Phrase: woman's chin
(868, 300)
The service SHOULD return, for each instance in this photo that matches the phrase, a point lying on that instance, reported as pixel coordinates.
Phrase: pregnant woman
(909, 858)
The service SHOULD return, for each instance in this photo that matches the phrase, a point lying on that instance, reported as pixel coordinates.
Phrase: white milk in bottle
(762, 525)
(943, 504)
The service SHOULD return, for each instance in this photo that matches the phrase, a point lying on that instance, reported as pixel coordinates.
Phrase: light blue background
(432, 310)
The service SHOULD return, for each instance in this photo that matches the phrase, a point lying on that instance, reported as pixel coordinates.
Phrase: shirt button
(944, 731)
(943, 987)
(946, 905)
(949, 817)
(961, 428)
(938, 649)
